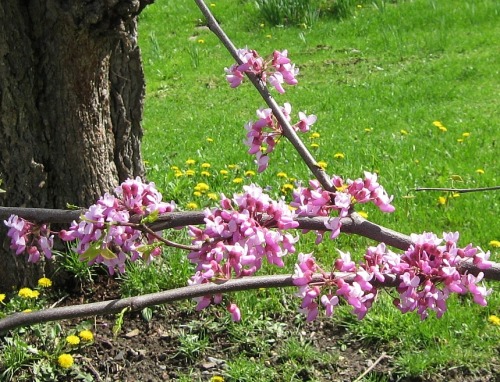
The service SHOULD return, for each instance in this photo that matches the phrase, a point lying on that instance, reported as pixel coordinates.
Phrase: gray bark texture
(71, 102)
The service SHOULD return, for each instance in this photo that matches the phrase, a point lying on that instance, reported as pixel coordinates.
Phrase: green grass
(377, 81)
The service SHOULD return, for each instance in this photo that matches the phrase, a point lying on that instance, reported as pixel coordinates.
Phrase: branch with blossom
(251, 228)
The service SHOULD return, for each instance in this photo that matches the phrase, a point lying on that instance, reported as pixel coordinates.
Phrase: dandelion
(224, 172)
(201, 41)
(363, 214)
(86, 335)
(212, 196)
(368, 130)
(494, 320)
(65, 360)
(232, 166)
(190, 172)
(212, 5)
(440, 126)
(197, 193)
(191, 206)
(205, 165)
(493, 243)
(315, 135)
(237, 180)
(314, 145)
(27, 310)
(190, 162)
(281, 175)
(45, 282)
(175, 168)
(205, 173)
(202, 187)
(480, 171)
(178, 174)
(287, 187)
(217, 378)
(465, 135)
(73, 340)
(322, 164)
(442, 200)
(210, 140)
(2, 297)
(339, 156)
(460, 140)
(28, 293)
(249, 173)
(403, 132)
(455, 195)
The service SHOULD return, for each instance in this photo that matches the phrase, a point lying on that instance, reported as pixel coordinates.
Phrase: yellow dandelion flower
(205, 165)
(210, 140)
(224, 172)
(178, 174)
(249, 173)
(314, 145)
(322, 164)
(232, 166)
(27, 310)
(465, 135)
(28, 293)
(495, 320)
(190, 162)
(442, 200)
(437, 123)
(403, 132)
(205, 173)
(287, 187)
(281, 175)
(212, 195)
(191, 206)
(368, 129)
(202, 187)
(339, 156)
(197, 193)
(73, 340)
(480, 171)
(2, 297)
(86, 335)
(45, 282)
(175, 168)
(363, 214)
(493, 243)
(460, 140)
(237, 180)
(456, 195)
(443, 129)
(212, 5)
(201, 41)
(315, 135)
(65, 360)
(190, 172)
(217, 378)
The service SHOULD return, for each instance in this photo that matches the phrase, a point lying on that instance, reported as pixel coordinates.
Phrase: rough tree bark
(71, 101)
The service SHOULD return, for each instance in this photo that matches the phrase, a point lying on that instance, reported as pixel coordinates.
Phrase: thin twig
(372, 366)
(457, 190)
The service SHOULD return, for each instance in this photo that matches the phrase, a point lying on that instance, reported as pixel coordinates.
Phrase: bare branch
(457, 190)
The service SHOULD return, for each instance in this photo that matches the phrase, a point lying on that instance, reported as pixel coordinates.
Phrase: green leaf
(152, 217)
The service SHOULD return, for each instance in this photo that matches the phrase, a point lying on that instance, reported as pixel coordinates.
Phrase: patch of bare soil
(150, 351)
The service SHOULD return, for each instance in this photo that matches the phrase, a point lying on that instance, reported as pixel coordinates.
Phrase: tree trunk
(71, 101)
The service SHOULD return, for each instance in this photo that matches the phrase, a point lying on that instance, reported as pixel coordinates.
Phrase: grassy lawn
(378, 81)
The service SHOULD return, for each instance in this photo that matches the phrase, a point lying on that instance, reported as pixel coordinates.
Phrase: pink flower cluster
(277, 70)
(104, 232)
(263, 134)
(316, 201)
(30, 238)
(237, 238)
(428, 272)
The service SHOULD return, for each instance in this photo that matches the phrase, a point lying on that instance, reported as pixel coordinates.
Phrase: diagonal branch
(288, 131)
